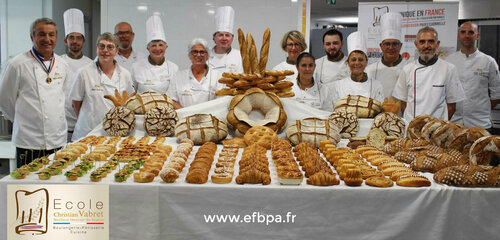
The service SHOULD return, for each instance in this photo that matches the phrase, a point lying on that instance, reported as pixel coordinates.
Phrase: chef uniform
(73, 23)
(369, 88)
(128, 62)
(390, 28)
(187, 91)
(315, 96)
(231, 61)
(90, 87)
(149, 77)
(437, 84)
(478, 74)
(32, 97)
(328, 72)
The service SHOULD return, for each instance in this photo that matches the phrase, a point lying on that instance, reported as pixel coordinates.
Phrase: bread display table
(180, 210)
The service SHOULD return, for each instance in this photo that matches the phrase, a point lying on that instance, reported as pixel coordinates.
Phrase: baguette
(264, 51)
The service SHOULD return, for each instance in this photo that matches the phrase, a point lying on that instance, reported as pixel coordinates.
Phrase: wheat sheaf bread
(141, 103)
(256, 99)
(312, 130)
(362, 106)
(119, 121)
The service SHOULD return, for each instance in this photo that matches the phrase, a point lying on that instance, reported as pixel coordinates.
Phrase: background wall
(187, 19)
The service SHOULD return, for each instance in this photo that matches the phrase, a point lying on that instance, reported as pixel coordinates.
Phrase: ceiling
(323, 13)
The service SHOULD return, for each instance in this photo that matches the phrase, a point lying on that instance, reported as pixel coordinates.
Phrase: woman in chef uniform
(198, 83)
(96, 80)
(293, 43)
(154, 73)
(358, 83)
(306, 89)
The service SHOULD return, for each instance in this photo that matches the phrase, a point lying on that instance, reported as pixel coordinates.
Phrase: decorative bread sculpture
(201, 128)
(256, 99)
(347, 122)
(312, 130)
(255, 74)
(362, 106)
(390, 123)
(119, 121)
(160, 121)
(141, 103)
(391, 105)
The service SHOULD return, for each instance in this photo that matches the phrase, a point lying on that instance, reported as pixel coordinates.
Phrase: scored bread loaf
(390, 123)
(312, 130)
(201, 128)
(469, 176)
(160, 121)
(362, 106)
(119, 121)
(347, 122)
(141, 103)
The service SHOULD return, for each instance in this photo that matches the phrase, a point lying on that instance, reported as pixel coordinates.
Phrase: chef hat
(356, 41)
(390, 26)
(154, 28)
(224, 19)
(73, 21)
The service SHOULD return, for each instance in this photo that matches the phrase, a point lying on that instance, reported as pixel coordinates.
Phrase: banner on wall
(441, 16)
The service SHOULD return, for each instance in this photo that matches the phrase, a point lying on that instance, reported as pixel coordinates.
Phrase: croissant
(253, 176)
(323, 179)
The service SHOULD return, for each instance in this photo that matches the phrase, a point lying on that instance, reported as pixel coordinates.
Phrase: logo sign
(58, 212)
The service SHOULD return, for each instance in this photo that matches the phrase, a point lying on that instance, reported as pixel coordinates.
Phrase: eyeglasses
(196, 52)
(293, 45)
(124, 33)
(79, 38)
(391, 44)
(102, 46)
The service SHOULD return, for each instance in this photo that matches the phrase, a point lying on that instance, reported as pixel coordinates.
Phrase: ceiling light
(340, 19)
(142, 8)
(211, 11)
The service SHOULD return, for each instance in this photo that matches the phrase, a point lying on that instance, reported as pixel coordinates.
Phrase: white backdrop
(441, 16)
(187, 19)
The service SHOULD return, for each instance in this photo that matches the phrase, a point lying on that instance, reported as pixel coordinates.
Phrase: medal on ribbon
(39, 59)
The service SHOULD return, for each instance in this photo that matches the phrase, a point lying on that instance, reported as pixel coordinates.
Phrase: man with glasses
(428, 85)
(223, 57)
(75, 38)
(332, 67)
(387, 69)
(478, 74)
(126, 55)
(32, 95)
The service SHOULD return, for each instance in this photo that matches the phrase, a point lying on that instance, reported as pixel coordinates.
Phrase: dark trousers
(25, 156)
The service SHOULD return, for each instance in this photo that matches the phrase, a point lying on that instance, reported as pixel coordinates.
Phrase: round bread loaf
(390, 123)
(119, 121)
(160, 121)
(362, 106)
(415, 127)
(347, 122)
(313, 131)
(141, 103)
(201, 128)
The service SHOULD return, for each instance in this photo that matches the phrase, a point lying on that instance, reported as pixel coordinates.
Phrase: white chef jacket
(90, 86)
(74, 65)
(328, 72)
(128, 62)
(187, 91)
(229, 62)
(369, 88)
(151, 78)
(34, 106)
(387, 76)
(437, 85)
(316, 96)
(286, 66)
(478, 74)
